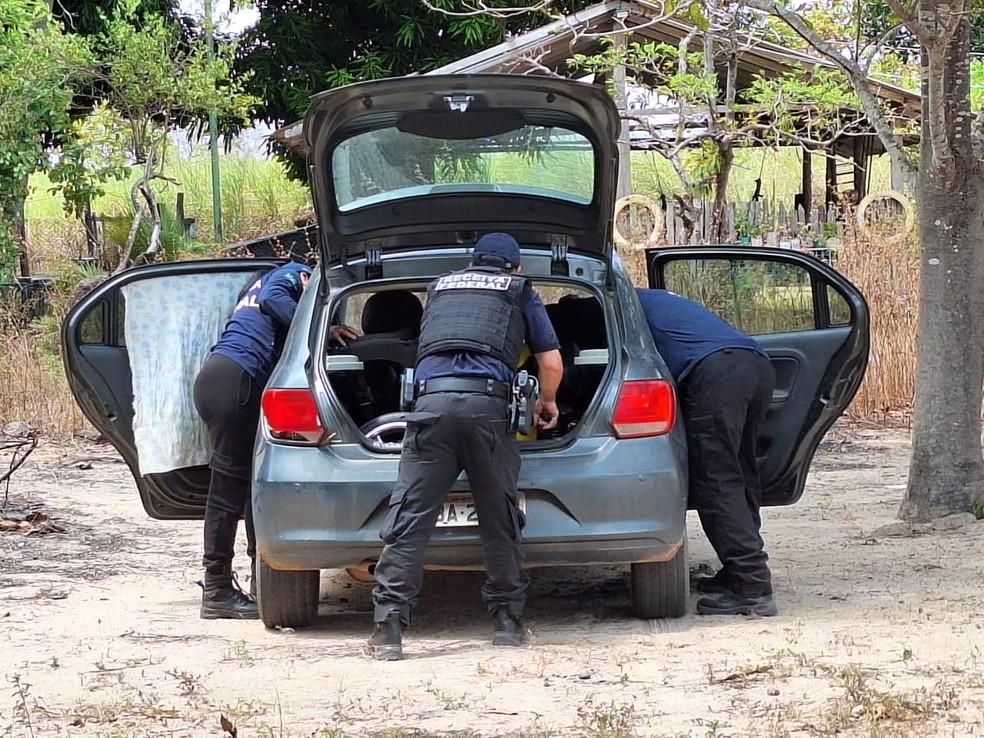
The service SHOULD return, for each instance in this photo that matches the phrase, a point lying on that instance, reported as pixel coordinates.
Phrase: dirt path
(877, 636)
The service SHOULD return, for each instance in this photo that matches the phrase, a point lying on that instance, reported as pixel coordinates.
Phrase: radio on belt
(522, 409)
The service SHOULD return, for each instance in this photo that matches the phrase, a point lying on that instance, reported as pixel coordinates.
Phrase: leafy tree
(299, 49)
(92, 17)
(875, 20)
(39, 64)
(153, 79)
(805, 108)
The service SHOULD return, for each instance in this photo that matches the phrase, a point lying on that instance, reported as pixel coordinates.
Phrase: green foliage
(90, 157)
(876, 18)
(38, 66)
(813, 102)
(655, 65)
(977, 84)
(704, 163)
(116, 229)
(154, 78)
(257, 199)
(90, 17)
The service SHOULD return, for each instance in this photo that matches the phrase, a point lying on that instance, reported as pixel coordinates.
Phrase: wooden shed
(548, 49)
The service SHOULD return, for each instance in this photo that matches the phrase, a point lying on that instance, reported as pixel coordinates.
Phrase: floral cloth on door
(169, 325)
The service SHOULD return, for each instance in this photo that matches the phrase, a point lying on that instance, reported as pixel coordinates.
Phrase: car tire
(286, 599)
(661, 589)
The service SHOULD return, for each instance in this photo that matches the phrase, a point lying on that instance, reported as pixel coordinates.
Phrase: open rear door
(97, 362)
(812, 322)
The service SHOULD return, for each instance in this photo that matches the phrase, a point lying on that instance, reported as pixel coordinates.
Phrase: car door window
(92, 330)
(758, 297)
(840, 310)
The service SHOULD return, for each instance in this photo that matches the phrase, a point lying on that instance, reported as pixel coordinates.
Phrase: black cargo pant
(448, 432)
(228, 400)
(724, 400)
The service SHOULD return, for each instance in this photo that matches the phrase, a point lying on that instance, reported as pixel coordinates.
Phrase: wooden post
(807, 189)
(91, 235)
(831, 177)
(624, 182)
(860, 158)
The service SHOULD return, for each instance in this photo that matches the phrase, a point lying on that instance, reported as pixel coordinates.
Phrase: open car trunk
(365, 377)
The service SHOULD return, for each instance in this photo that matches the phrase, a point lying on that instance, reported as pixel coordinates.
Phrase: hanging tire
(286, 599)
(662, 589)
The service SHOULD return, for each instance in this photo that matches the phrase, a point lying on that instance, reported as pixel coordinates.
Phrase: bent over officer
(227, 395)
(472, 331)
(725, 381)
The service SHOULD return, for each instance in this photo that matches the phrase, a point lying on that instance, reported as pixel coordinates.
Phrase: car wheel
(661, 589)
(286, 599)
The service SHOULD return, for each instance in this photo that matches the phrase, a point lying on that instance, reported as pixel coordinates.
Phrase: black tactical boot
(222, 598)
(718, 583)
(733, 603)
(252, 578)
(386, 641)
(508, 629)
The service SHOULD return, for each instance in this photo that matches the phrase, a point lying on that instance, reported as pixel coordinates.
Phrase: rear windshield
(390, 164)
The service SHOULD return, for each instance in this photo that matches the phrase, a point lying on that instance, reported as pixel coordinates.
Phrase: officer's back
(473, 328)
(686, 332)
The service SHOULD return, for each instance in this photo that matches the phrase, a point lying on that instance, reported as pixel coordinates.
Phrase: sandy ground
(877, 635)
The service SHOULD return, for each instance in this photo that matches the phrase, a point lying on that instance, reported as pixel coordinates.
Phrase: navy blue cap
(501, 245)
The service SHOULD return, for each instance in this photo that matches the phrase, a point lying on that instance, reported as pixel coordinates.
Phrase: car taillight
(644, 408)
(291, 415)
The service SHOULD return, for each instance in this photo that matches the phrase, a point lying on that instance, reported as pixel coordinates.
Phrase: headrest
(395, 310)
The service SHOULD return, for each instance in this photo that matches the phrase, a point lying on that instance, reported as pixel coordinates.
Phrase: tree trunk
(727, 154)
(946, 474)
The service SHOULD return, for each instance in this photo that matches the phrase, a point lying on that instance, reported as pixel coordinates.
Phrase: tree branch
(876, 47)
(859, 81)
(480, 8)
(909, 18)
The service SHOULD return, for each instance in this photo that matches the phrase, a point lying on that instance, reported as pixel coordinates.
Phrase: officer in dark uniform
(472, 331)
(227, 395)
(725, 382)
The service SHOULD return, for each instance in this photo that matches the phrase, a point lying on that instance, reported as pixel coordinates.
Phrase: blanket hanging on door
(170, 324)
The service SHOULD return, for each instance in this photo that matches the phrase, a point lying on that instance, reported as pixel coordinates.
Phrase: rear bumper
(598, 501)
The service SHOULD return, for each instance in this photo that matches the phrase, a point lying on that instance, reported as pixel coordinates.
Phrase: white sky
(252, 140)
(226, 21)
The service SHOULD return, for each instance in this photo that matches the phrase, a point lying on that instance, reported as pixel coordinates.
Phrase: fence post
(91, 234)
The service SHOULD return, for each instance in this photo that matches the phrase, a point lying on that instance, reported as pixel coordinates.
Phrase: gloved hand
(547, 414)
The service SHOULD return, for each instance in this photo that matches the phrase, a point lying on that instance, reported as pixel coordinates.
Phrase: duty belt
(477, 385)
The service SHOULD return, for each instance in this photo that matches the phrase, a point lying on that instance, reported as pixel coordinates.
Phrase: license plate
(459, 510)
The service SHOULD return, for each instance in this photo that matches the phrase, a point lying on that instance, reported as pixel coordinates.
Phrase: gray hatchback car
(405, 175)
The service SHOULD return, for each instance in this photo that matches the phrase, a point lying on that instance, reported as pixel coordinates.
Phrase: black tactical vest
(477, 309)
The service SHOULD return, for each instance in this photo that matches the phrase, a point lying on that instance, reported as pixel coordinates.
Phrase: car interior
(367, 374)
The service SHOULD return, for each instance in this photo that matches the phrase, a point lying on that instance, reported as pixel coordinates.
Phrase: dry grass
(887, 274)
(33, 387)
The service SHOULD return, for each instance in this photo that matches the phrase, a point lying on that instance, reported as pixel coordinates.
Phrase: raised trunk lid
(419, 162)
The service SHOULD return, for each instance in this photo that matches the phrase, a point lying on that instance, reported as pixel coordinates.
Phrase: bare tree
(947, 469)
